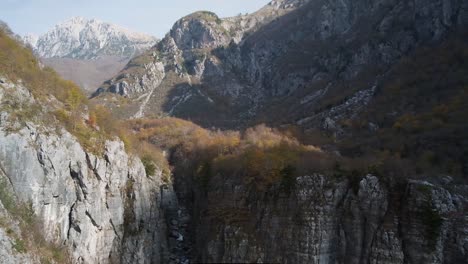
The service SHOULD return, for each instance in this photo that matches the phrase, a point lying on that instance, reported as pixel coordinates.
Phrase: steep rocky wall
(8, 253)
(323, 220)
(103, 208)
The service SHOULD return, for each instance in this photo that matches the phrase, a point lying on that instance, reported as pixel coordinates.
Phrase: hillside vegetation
(421, 112)
(260, 156)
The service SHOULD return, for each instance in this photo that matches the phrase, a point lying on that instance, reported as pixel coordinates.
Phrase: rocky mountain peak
(285, 4)
(199, 30)
(82, 38)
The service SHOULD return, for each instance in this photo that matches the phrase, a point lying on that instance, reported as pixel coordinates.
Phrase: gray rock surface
(104, 208)
(325, 220)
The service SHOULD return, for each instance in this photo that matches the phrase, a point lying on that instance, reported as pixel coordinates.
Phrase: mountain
(168, 78)
(296, 58)
(88, 51)
(81, 38)
(31, 40)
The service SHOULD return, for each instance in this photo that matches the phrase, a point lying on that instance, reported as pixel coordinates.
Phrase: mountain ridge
(82, 38)
(182, 57)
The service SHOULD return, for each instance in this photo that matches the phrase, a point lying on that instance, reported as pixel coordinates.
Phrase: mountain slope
(169, 77)
(291, 58)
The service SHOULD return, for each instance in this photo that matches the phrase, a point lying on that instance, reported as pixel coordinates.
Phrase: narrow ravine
(155, 82)
(178, 227)
(139, 114)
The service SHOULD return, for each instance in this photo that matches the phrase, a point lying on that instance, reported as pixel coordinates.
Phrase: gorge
(306, 132)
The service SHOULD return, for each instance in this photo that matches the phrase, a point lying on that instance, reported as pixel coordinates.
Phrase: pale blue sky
(154, 17)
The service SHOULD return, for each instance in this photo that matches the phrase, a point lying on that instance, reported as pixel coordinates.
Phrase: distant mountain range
(88, 51)
(81, 38)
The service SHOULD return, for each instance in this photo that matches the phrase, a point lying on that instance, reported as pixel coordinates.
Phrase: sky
(154, 17)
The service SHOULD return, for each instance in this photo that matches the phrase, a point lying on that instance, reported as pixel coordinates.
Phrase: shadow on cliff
(193, 103)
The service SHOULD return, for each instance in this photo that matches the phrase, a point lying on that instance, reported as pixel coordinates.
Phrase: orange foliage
(259, 154)
(92, 122)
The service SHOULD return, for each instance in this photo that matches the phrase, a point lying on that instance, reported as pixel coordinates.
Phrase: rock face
(96, 206)
(223, 71)
(104, 209)
(323, 220)
(8, 253)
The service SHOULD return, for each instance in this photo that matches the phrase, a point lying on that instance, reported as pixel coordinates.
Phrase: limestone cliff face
(104, 209)
(323, 220)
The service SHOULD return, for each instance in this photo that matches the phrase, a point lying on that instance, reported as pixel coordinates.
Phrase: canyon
(366, 161)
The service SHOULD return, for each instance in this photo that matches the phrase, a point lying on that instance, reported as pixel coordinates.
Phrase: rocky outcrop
(292, 54)
(179, 241)
(103, 208)
(326, 220)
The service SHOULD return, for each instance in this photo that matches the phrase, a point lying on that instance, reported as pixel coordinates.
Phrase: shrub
(287, 178)
(433, 222)
(5, 196)
(105, 121)
(150, 168)
(19, 246)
